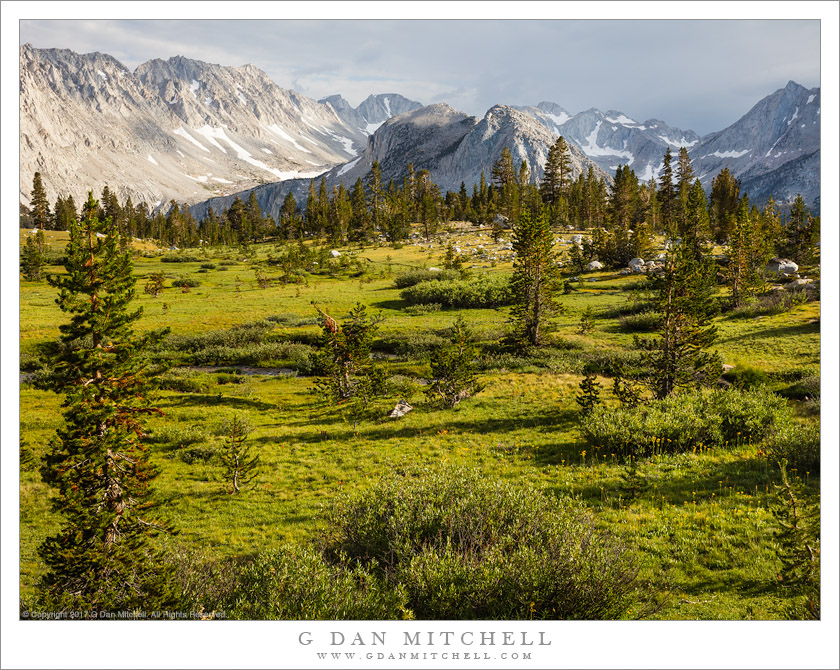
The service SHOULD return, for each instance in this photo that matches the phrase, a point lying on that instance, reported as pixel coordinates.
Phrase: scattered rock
(797, 283)
(781, 266)
(335, 254)
(401, 409)
(595, 265)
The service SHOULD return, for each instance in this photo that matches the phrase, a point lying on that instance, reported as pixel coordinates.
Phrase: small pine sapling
(240, 466)
(587, 319)
(154, 285)
(590, 395)
(798, 538)
(633, 484)
(453, 368)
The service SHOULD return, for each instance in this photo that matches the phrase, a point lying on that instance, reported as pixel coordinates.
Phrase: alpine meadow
(286, 358)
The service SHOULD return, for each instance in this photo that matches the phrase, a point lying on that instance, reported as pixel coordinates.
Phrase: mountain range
(200, 134)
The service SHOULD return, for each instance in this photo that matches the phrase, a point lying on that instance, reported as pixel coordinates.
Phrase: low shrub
(294, 320)
(197, 454)
(418, 310)
(177, 436)
(411, 345)
(461, 546)
(179, 258)
(184, 381)
(688, 420)
(799, 443)
(208, 266)
(296, 583)
(485, 291)
(746, 376)
(416, 276)
(643, 322)
(808, 387)
(775, 302)
(182, 282)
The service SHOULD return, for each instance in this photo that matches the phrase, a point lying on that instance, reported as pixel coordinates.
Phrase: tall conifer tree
(536, 279)
(103, 556)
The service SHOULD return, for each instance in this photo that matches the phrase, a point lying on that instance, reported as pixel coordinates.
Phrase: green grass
(702, 528)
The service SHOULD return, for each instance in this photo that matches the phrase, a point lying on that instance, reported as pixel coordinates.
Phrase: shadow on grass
(390, 304)
(713, 484)
(782, 331)
(200, 400)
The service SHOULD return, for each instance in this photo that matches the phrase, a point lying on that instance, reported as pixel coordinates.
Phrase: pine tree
(102, 556)
(536, 278)
(32, 257)
(504, 178)
(683, 295)
(724, 199)
(798, 537)
(557, 179)
(748, 251)
(667, 194)
(454, 368)
(39, 205)
(288, 218)
(240, 466)
(695, 229)
(685, 178)
(344, 358)
(801, 232)
(360, 222)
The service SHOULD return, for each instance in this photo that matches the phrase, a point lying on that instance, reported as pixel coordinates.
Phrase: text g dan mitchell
(429, 639)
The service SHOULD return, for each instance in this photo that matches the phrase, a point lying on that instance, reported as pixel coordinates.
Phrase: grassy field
(703, 529)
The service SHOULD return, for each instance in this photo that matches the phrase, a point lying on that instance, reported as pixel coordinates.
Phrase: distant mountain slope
(774, 148)
(451, 145)
(177, 129)
(612, 138)
(191, 131)
(373, 110)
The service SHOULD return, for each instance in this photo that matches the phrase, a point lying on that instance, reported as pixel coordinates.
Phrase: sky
(701, 75)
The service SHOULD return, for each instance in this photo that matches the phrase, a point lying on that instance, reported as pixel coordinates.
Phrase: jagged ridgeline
(200, 134)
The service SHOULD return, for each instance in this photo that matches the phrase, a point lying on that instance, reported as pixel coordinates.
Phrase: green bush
(746, 376)
(643, 322)
(176, 436)
(461, 546)
(416, 276)
(412, 345)
(808, 387)
(184, 381)
(689, 420)
(179, 258)
(297, 583)
(799, 444)
(419, 310)
(485, 291)
(182, 282)
(208, 266)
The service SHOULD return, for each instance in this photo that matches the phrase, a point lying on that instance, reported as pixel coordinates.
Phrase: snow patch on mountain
(183, 133)
(211, 134)
(348, 166)
(559, 119)
(729, 154)
(592, 149)
(277, 130)
(370, 128)
(152, 160)
(677, 143)
(622, 120)
(194, 86)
